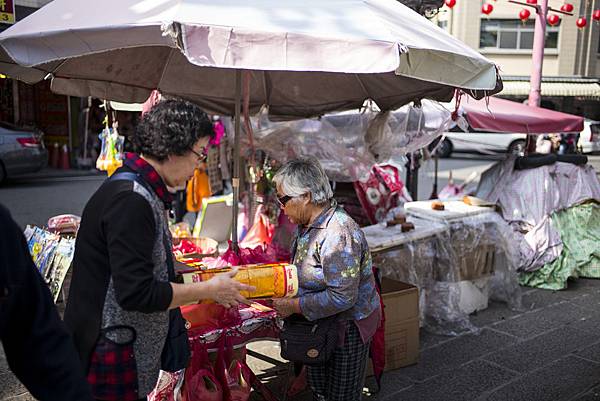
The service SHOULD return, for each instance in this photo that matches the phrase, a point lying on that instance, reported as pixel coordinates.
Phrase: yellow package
(279, 280)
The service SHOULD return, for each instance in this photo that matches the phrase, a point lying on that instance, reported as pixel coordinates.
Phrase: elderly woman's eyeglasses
(282, 200)
(202, 155)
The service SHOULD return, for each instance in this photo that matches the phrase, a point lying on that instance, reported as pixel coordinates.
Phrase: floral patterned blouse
(334, 269)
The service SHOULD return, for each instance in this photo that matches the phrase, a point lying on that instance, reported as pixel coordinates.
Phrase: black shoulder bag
(311, 343)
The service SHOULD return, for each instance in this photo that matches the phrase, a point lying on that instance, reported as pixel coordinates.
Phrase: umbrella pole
(235, 182)
(434, 192)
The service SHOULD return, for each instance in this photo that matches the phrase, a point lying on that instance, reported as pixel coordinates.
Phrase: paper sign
(7, 11)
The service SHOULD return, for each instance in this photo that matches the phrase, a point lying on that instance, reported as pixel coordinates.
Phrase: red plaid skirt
(113, 372)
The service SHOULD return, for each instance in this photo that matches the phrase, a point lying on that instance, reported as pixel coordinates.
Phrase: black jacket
(116, 237)
(38, 347)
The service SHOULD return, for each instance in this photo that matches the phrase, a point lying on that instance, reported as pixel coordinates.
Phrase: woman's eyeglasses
(283, 200)
(202, 155)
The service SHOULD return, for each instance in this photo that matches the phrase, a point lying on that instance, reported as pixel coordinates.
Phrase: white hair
(302, 176)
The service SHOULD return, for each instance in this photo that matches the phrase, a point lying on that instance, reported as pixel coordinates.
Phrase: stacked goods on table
(52, 255)
(399, 218)
(190, 247)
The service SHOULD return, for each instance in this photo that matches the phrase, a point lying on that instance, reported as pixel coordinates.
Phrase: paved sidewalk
(551, 351)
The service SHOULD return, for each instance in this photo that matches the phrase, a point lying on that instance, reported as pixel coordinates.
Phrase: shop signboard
(7, 11)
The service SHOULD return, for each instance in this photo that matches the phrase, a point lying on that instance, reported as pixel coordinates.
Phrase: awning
(586, 90)
(501, 115)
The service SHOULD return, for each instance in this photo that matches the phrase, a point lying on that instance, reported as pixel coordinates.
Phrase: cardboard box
(401, 302)
(465, 264)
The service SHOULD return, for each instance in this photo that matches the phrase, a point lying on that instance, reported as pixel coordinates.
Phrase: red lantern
(524, 14)
(596, 15)
(567, 7)
(487, 8)
(531, 1)
(553, 19)
(450, 3)
(581, 22)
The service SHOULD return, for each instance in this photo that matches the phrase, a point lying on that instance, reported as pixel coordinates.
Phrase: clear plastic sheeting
(337, 141)
(458, 264)
(528, 198)
(347, 144)
(407, 129)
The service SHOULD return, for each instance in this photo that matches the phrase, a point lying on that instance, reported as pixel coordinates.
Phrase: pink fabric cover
(499, 115)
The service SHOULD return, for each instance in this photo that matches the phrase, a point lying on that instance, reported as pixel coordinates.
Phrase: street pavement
(549, 350)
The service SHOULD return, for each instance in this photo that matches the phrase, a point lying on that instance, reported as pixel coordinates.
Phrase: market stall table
(406, 256)
(473, 245)
(470, 254)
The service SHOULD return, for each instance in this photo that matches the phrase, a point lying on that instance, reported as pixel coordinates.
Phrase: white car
(492, 142)
(589, 139)
(482, 142)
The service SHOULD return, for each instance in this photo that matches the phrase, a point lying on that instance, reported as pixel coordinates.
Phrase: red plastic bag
(238, 381)
(200, 382)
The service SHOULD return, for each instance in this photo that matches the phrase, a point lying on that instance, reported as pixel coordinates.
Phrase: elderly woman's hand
(225, 290)
(287, 306)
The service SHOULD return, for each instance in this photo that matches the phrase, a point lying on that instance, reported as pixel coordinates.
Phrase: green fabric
(579, 229)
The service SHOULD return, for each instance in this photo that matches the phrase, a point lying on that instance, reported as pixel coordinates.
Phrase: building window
(513, 35)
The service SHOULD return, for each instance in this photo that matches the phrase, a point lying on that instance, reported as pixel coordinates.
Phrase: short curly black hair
(172, 127)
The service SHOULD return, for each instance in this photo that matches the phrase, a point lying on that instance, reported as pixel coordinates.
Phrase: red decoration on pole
(596, 15)
(553, 19)
(567, 7)
(487, 8)
(581, 22)
(531, 1)
(524, 14)
(450, 3)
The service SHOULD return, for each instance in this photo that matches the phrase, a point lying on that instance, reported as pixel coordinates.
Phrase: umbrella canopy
(13, 70)
(305, 57)
(500, 115)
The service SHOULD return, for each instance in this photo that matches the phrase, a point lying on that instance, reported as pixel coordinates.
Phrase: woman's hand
(287, 306)
(224, 290)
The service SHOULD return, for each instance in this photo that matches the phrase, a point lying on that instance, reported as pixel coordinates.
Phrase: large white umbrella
(302, 58)
(307, 57)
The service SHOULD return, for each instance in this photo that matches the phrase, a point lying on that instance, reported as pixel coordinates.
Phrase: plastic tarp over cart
(471, 258)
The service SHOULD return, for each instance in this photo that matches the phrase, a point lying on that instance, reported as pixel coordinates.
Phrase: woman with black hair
(123, 304)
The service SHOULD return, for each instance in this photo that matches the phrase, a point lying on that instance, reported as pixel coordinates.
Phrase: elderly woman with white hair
(335, 277)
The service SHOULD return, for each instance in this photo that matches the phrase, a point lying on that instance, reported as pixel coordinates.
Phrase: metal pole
(537, 62)
(235, 181)
(70, 125)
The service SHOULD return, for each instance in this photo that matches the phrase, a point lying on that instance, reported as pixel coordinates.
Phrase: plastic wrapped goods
(528, 198)
(459, 258)
(579, 230)
(279, 280)
(408, 129)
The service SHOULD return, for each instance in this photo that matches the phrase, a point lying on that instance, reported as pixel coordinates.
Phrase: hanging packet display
(111, 152)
